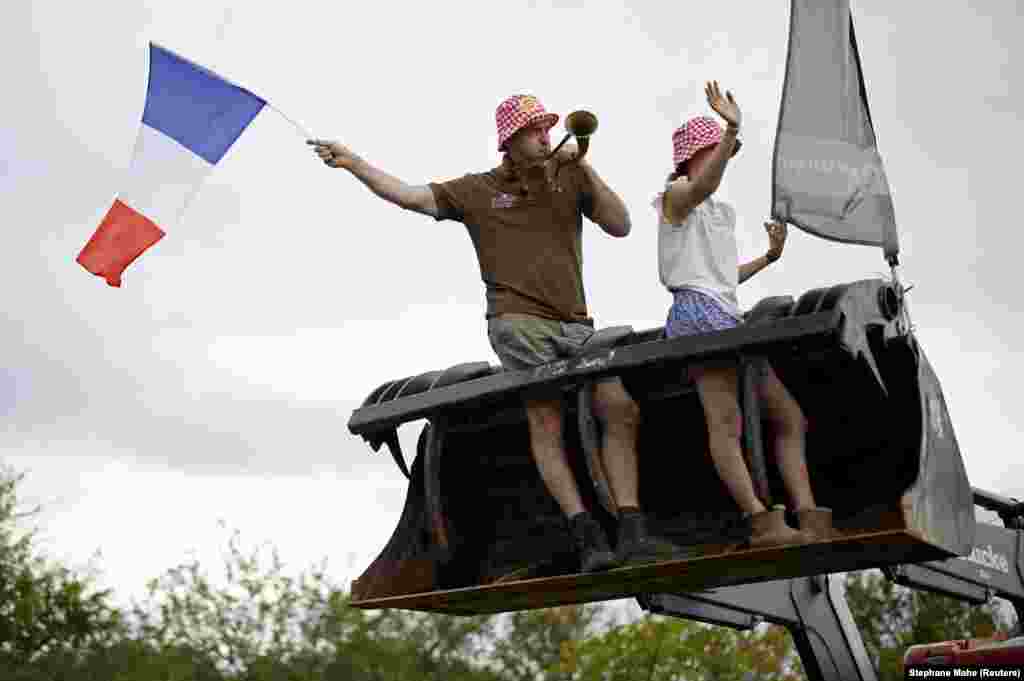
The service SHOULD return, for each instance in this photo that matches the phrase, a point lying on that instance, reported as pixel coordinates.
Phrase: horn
(581, 125)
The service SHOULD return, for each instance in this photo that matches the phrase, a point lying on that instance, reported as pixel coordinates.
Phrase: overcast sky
(217, 383)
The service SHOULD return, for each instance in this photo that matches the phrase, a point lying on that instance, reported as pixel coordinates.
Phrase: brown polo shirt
(529, 247)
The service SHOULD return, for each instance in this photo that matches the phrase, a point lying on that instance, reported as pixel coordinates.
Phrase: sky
(211, 392)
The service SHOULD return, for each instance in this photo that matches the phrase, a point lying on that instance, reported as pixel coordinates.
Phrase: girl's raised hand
(776, 239)
(726, 106)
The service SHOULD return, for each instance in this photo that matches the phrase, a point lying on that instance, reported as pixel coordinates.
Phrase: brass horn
(581, 125)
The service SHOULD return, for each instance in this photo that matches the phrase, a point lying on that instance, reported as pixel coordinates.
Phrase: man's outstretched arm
(417, 198)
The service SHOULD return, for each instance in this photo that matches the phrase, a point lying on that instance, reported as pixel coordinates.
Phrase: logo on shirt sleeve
(502, 200)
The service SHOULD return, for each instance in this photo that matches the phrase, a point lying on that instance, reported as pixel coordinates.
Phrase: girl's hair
(680, 171)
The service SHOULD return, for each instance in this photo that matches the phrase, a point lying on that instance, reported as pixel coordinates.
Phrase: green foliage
(124, 660)
(259, 623)
(45, 608)
(543, 645)
(663, 649)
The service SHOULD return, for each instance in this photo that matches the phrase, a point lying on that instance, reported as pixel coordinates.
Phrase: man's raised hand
(567, 153)
(726, 106)
(333, 154)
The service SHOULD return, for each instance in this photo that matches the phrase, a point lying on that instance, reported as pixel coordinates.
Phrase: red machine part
(975, 651)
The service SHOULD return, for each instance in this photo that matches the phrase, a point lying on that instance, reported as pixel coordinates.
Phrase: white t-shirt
(700, 253)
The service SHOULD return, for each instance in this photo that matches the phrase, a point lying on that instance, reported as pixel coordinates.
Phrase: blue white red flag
(191, 118)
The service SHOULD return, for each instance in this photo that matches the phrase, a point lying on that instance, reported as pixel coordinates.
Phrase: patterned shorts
(695, 312)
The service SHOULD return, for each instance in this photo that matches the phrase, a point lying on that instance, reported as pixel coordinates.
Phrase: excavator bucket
(481, 534)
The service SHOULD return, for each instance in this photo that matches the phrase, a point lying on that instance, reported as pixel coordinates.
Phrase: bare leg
(788, 435)
(620, 419)
(545, 421)
(717, 389)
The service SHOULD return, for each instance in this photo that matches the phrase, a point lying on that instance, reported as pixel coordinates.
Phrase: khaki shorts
(523, 341)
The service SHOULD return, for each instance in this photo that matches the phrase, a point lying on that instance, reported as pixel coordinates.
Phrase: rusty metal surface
(847, 553)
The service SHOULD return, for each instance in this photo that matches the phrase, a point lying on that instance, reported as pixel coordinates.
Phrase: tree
(542, 645)
(261, 623)
(658, 648)
(45, 608)
(127, 659)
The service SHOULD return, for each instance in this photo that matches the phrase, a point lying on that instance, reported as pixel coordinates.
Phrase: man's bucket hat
(517, 112)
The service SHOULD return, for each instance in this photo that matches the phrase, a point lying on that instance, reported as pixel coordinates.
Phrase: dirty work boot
(636, 546)
(816, 523)
(769, 528)
(591, 543)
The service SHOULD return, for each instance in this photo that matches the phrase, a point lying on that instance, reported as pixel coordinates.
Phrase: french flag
(191, 118)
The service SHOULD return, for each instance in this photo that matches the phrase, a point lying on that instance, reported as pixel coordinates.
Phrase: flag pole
(302, 130)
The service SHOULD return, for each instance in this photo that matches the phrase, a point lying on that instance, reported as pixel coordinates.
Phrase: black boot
(636, 546)
(591, 543)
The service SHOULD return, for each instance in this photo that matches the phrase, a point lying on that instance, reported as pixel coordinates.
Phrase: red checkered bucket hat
(517, 112)
(694, 135)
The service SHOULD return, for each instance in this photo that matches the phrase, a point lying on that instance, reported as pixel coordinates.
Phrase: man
(525, 222)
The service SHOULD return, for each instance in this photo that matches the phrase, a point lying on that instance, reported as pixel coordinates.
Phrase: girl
(699, 265)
